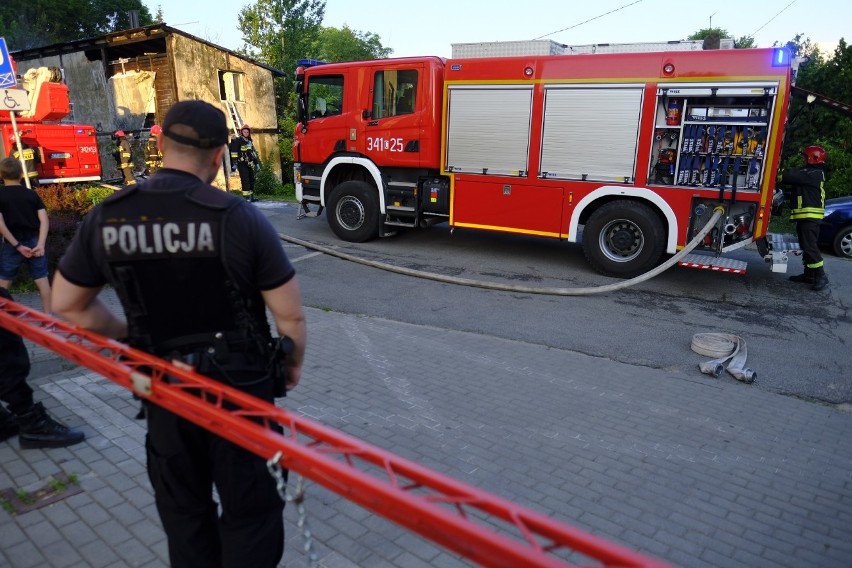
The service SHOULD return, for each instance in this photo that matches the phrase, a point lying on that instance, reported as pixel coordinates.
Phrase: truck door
(392, 127)
(328, 119)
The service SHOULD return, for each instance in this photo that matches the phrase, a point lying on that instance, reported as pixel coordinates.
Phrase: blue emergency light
(781, 57)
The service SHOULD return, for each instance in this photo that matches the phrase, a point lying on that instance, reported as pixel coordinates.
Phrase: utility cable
(772, 18)
(587, 21)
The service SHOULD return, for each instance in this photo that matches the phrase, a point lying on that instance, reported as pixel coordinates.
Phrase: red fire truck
(628, 153)
(65, 152)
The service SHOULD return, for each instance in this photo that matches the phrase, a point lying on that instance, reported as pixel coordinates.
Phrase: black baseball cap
(206, 120)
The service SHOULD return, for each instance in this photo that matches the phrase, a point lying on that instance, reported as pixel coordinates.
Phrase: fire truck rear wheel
(353, 211)
(623, 239)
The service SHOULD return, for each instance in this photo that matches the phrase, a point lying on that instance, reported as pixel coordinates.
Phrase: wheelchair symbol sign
(7, 72)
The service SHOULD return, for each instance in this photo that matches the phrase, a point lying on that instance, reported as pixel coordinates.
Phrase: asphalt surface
(689, 469)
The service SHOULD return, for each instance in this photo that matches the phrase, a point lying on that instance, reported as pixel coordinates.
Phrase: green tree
(830, 76)
(34, 23)
(345, 44)
(711, 35)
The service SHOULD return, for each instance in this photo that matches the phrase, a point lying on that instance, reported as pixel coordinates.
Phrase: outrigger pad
(305, 211)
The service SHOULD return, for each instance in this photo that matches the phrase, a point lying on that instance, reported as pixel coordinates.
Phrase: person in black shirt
(24, 226)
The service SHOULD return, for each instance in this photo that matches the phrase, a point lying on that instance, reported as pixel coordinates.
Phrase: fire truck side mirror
(366, 114)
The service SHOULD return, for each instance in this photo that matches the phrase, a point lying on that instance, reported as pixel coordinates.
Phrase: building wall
(196, 69)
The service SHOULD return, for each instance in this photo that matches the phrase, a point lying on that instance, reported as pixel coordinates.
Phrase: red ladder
(439, 508)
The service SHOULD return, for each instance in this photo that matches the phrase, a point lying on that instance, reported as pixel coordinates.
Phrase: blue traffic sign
(7, 72)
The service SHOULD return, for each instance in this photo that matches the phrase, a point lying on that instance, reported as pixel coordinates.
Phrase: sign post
(12, 100)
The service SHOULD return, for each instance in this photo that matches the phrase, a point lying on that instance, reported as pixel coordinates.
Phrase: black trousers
(808, 233)
(185, 462)
(14, 369)
(246, 176)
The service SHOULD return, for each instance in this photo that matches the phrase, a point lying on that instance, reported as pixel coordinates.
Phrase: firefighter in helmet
(153, 156)
(808, 209)
(122, 155)
(31, 158)
(245, 160)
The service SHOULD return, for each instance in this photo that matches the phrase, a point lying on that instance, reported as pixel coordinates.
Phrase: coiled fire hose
(699, 237)
(724, 348)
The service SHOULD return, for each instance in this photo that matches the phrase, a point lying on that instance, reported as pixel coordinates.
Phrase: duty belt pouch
(281, 349)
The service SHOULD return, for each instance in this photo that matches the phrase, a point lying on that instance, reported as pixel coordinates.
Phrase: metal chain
(298, 498)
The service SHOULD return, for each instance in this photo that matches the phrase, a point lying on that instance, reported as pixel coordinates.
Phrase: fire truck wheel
(353, 211)
(623, 239)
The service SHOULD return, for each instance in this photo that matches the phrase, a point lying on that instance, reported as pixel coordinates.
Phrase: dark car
(836, 227)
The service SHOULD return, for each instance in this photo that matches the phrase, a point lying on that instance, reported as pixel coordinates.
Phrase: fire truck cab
(628, 153)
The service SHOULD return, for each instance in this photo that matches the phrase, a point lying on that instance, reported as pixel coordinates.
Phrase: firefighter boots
(820, 279)
(8, 424)
(807, 277)
(40, 430)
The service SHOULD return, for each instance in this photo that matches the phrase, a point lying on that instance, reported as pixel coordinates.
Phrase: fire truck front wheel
(623, 239)
(353, 211)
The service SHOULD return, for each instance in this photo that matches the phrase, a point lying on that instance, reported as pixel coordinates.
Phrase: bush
(267, 185)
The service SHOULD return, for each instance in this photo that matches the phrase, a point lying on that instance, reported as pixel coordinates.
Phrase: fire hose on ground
(722, 347)
(717, 213)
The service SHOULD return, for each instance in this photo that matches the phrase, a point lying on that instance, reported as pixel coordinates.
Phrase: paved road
(798, 340)
(697, 471)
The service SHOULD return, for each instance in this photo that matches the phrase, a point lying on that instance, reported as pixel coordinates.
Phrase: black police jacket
(164, 251)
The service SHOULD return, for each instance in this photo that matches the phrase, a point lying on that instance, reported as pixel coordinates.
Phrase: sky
(430, 28)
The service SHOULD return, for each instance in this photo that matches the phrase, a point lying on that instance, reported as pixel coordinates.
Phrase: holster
(281, 349)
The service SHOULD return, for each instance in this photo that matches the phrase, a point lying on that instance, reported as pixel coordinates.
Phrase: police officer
(195, 269)
(808, 209)
(153, 156)
(245, 159)
(123, 157)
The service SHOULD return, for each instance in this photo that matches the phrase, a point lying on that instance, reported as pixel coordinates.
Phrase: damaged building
(128, 80)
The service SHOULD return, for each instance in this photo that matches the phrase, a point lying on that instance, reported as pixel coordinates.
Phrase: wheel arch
(605, 194)
(346, 168)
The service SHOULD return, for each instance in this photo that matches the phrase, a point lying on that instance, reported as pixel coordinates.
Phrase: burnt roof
(128, 43)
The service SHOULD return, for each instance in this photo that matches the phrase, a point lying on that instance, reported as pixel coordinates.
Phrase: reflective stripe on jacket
(808, 185)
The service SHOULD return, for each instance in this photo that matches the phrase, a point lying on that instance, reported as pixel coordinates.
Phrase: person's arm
(10, 238)
(285, 303)
(43, 228)
(82, 307)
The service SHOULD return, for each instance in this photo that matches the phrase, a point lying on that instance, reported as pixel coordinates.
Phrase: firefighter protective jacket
(153, 157)
(122, 153)
(29, 160)
(808, 199)
(243, 152)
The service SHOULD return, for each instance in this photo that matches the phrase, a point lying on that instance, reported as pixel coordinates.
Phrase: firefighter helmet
(156, 130)
(245, 127)
(119, 133)
(814, 155)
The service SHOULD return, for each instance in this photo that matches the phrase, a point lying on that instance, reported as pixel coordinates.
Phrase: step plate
(719, 264)
(778, 243)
